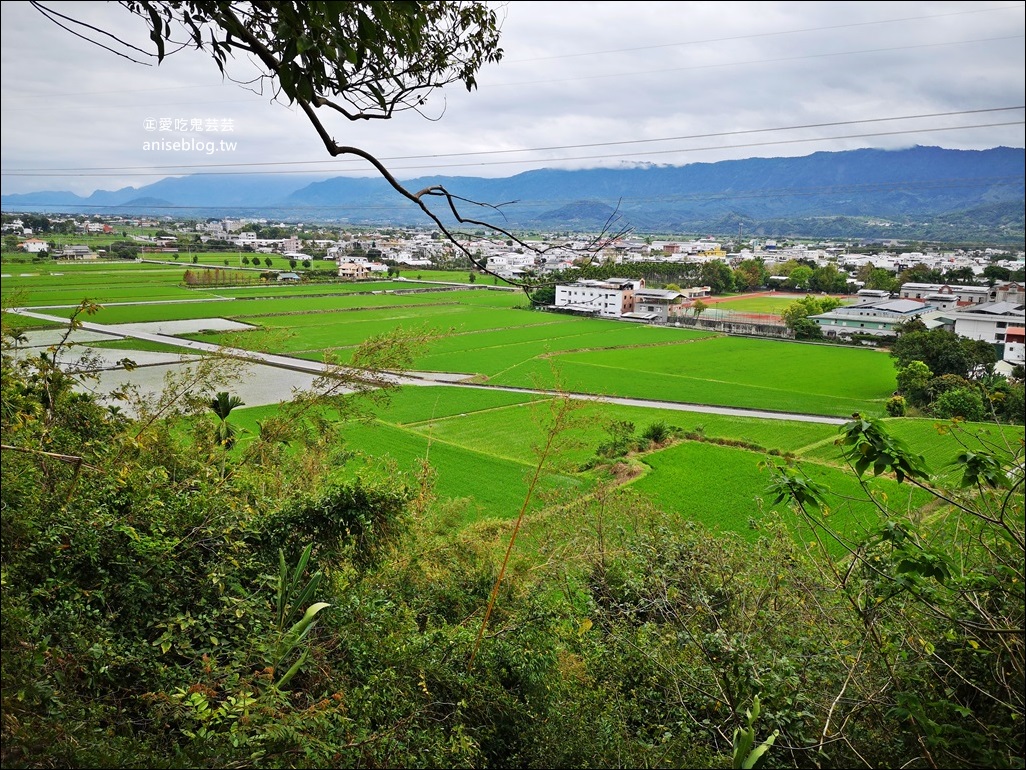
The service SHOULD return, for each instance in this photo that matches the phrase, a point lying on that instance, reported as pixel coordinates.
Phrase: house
(873, 294)
(76, 251)
(510, 264)
(1013, 351)
(289, 277)
(1000, 323)
(354, 271)
(873, 316)
(658, 305)
(609, 298)
(403, 258)
(692, 293)
(1008, 292)
(34, 246)
(945, 295)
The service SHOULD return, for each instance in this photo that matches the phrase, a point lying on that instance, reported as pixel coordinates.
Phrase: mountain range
(920, 193)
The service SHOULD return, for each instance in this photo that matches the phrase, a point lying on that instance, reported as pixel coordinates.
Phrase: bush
(621, 439)
(354, 520)
(960, 402)
(937, 386)
(658, 433)
(913, 382)
(807, 329)
(1012, 405)
(896, 406)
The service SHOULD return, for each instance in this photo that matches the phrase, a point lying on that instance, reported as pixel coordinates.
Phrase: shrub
(937, 386)
(658, 433)
(355, 520)
(807, 329)
(913, 382)
(1012, 406)
(621, 439)
(960, 402)
(896, 406)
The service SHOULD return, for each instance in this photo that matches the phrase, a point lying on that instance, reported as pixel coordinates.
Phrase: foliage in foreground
(169, 604)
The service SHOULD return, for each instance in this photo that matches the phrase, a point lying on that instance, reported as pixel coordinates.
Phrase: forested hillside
(920, 193)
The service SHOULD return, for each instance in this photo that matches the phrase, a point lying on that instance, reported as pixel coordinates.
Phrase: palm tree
(18, 337)
(222, 405)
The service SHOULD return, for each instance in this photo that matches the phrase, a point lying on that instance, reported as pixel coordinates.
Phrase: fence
(731, 322)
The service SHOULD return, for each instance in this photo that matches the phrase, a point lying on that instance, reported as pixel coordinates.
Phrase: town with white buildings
(976, 306)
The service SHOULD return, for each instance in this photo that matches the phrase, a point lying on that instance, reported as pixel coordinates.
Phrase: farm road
(138, 331)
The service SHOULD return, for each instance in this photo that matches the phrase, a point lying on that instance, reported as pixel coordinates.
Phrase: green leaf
(761, 749)
(303, 626)
(293, 670)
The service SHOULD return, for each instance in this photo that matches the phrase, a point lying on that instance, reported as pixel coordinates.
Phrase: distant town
(976, 293)
(55, 238)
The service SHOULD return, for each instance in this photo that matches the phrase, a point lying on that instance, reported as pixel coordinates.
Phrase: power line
(71, 169)
(541, 160)
(654, 46)
(829, 54)
(755, 35)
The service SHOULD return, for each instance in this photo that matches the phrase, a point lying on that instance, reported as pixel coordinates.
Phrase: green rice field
(482, 441)
(484, 446)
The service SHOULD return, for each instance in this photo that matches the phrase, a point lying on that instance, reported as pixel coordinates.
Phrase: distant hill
(964, 195)
(148, 202)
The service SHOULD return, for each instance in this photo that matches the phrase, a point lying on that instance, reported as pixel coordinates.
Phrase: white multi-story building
(1001, 323)
(34, 246)
(610, 298)
(510, 263)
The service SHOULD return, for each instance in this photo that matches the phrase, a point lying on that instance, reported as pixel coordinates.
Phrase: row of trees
(945, 375)
(806, 275)
(222, 277)
(752, 274)
(293, 263)
(715, 274)
(939, 373)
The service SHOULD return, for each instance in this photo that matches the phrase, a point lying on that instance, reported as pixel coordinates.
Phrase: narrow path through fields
(416, 378)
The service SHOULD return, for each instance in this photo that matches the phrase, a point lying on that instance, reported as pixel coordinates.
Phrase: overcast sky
(581, 84)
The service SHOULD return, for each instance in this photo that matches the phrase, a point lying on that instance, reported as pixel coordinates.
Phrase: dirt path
(137, 331)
